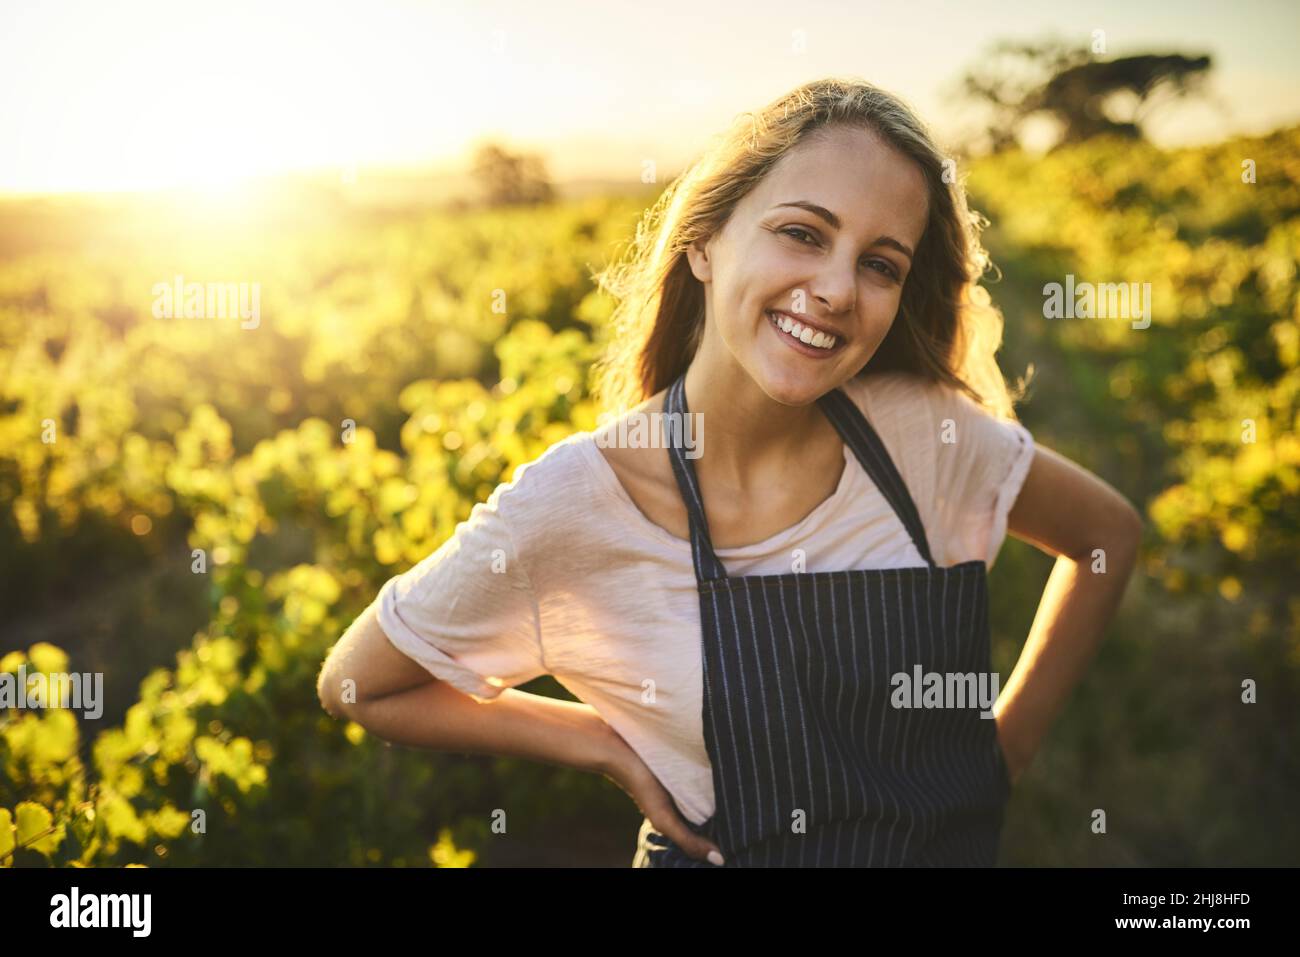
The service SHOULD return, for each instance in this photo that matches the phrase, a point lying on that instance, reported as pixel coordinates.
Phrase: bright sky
(125, 95)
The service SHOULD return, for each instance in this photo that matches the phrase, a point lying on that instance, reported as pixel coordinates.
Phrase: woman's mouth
(802, 337)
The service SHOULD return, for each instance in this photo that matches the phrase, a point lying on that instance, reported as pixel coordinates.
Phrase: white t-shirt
(560, 572)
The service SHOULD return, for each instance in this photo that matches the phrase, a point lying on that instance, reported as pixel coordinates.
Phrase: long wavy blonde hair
(946, 330)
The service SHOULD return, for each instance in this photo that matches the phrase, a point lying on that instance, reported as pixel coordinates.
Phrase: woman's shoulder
(898, 385)
(908, 399)
(564, 510)
(935, 429)
(559, 474)
(898, 400)
(574, 462)
(963, 465)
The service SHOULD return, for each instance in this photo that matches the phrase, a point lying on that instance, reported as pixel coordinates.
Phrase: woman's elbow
(1108, 533)
(1119, 531)
(332, 692)
(1131, 523)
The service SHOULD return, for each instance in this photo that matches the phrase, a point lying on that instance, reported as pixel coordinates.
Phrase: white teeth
(805, 334)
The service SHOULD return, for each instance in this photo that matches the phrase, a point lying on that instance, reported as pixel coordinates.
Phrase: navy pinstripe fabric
(812, 765)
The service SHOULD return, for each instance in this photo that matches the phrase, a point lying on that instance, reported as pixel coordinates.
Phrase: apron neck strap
(866, 444)
(853, 428)
(707, 565)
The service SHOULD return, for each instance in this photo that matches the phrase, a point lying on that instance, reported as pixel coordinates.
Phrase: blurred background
(409, 200)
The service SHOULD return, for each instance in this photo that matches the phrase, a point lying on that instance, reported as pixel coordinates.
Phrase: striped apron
(813, 765)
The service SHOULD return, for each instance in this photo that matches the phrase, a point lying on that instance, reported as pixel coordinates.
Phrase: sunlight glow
(153, 95)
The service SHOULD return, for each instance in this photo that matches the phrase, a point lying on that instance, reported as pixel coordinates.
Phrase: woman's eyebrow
(834, 221)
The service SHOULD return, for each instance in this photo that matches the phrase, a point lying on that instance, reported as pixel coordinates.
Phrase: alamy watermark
(945, 689)
(1107, 300)
(209, 300)
(653, 430)
(82, 692)
(130, 911)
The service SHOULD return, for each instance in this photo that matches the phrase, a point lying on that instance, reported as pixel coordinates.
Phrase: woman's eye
(797, 231)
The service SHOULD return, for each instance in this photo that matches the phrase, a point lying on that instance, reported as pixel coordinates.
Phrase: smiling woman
(837, 176)
(736, 622)
(758, 263)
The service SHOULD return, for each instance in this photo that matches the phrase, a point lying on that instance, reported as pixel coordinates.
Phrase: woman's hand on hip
(626, 769)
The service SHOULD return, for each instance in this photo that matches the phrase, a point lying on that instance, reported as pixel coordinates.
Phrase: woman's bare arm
(397, 700)
(366, 657)
(1066, 511)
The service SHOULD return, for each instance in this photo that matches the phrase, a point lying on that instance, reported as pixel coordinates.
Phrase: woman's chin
(796, 384)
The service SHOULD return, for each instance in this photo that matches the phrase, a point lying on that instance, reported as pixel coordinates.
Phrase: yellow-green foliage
(405, 366)
(1217, 375)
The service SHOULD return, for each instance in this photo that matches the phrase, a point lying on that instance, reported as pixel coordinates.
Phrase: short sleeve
(467, 612)
(980, 466)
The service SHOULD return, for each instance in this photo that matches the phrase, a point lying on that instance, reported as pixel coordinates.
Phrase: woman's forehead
(858, 181)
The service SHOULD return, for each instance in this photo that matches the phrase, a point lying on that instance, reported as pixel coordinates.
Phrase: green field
(198, 507)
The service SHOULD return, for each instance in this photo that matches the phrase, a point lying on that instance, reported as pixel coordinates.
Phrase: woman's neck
(751, 442)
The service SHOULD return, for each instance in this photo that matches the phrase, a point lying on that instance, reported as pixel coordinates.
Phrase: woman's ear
(698, 255)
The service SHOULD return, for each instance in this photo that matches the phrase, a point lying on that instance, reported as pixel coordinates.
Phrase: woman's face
(825, 240)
